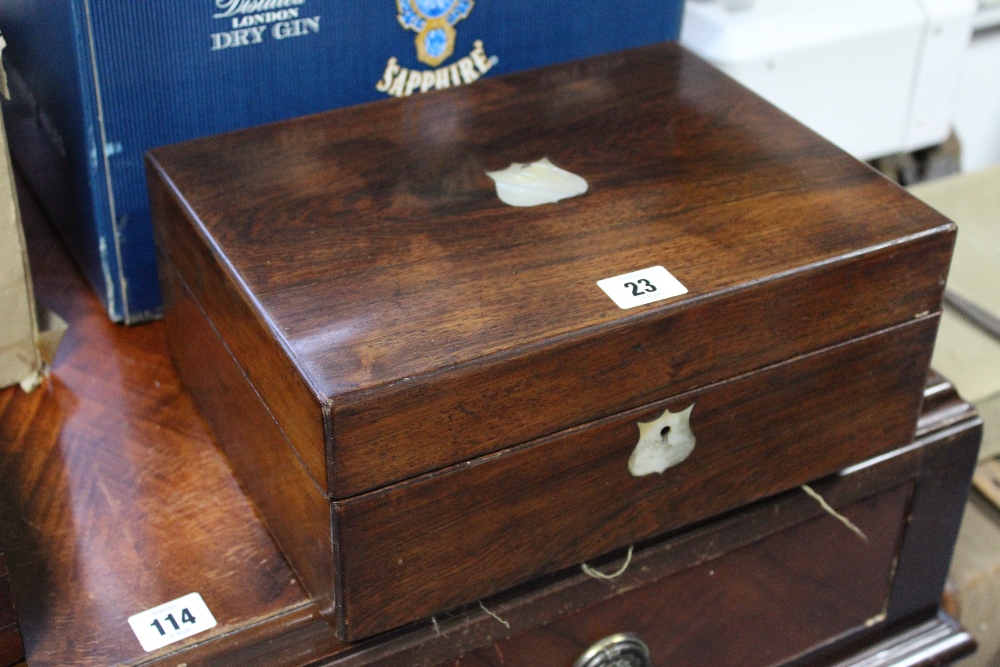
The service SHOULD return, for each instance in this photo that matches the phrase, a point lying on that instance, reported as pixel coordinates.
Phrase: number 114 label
(641, 287)
(171, 622)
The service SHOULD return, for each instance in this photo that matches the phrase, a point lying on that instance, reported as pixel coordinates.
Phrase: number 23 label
(641, 287)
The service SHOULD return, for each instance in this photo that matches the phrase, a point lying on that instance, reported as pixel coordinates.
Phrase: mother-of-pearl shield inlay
(663, 443)
(539, 182)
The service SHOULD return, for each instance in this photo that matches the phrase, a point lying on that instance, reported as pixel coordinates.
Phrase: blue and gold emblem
(433, 21)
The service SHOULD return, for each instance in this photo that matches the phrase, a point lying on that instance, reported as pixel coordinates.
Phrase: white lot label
(171, 622)
(641, 287)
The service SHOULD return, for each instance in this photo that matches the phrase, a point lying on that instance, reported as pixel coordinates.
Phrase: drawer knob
(663, 443)
(621, 650)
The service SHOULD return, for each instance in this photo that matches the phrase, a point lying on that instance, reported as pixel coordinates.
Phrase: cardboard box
(25, 348)
(98, 82)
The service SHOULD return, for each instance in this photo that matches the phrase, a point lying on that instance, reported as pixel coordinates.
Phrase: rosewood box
(428, 395)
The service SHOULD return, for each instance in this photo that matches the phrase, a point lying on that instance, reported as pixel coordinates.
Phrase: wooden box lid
(397, 318)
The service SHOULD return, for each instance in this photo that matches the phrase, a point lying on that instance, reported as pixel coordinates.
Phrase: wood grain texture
(278, 386)
(733, 611)
(370, 247)
(114, 497)
(448, 538)
(298, 516)
(470, 628)
(104, 467)
(726, 336)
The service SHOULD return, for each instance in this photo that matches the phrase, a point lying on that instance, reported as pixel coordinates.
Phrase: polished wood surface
(366, 247)
(428, 545)
(756, 532)
(114, 499)
(407, 553)
(286, 399)
(381, 329)
(694, 617)
(729, 611)
(253, 442)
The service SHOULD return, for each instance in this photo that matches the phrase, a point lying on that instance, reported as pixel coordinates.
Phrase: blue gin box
(95, 83)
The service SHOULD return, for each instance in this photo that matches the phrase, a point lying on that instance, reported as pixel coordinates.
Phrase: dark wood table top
(114, 496)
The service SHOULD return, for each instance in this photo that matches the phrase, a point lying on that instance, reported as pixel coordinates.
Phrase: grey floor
(971, 359)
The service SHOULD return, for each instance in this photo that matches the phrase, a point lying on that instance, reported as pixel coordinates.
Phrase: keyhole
(663, 442)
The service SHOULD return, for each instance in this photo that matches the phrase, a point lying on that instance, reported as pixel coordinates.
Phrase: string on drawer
(834, 513)
(597, 574)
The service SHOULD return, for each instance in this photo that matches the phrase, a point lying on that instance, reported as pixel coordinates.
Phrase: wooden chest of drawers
(777, 583)
(426, 392)
(733, 593)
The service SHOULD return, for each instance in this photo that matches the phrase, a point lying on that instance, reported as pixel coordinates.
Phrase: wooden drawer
(758, 605)
(407, 553)
(777, 582)
(775, 585)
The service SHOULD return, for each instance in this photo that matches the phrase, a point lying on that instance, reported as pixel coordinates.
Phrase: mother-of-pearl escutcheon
(663, 443)
(539, 182)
